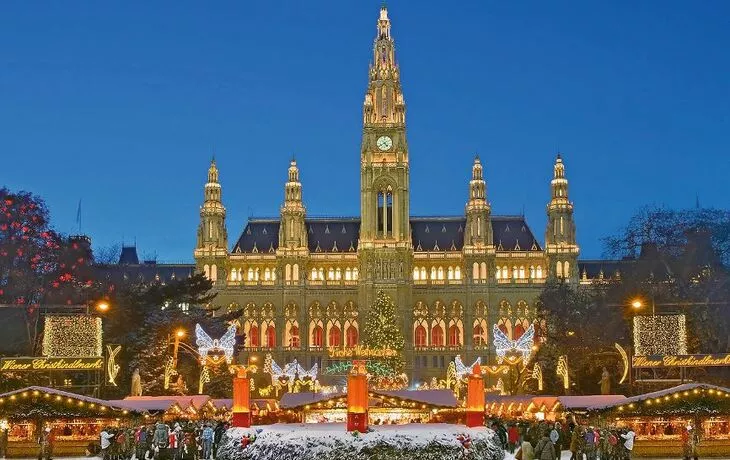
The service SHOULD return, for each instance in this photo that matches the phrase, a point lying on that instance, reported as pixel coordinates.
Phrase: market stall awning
(431, 398)
(436, 398)
(686, 398)
(36, 401)
(583, 402)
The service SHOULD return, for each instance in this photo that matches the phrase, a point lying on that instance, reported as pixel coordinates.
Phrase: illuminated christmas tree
(382, 331)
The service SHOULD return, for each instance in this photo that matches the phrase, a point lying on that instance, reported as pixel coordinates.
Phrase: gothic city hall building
(305, 284)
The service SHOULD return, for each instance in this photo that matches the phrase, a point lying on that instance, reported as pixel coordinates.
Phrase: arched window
(423, 273)
(256, 273)
(320, 273)
(351, 336)
(415, 273)
(538, 271)
(253, 336)
(519, 330)
(287, 272)
(559, 269)
(355, 274)
(532, 271)
(348, 274)
(483, 270)
(317, 334)
(214, 272)
(314, 274)
(270, 336)
(498, 273)
(295, 272)
(441, 273)
(450, 273)
(457, 273)
(480, 334)
(334, 338)
(419, 336)
(475, 271)
(522, 272)
(505, 325)
(454, 336)
(331, 274)
(267, 274)
(437, 336)
(206, 271)
(505, 273)
(515, 273)
(433, 273)
(566, 269)
(294, 336)
(338, 274)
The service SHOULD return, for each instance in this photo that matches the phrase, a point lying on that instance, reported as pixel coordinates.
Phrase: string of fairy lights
(660, 335)
(36, 396)
(72, 336)
(695, 397)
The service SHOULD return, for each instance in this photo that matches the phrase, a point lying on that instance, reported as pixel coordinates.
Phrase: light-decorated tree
(382, 331)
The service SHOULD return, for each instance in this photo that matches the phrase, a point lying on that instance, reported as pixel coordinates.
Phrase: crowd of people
(161, 441)
(547, 440)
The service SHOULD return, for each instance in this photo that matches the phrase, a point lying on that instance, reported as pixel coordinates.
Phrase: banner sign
(26, 364)
(361, 352)
(655, 361)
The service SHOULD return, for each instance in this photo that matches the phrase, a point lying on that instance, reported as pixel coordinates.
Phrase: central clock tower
(385, 247)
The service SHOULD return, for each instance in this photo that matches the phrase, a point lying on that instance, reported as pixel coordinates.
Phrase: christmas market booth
(75, 420)
(196, 407)
(551, 408)
(660, 420)
(385, 407)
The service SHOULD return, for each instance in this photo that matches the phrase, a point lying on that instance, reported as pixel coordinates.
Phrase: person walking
(105, 438)
(46, 441)
(526, 451)
(217, 436)
(513, 438)
(545, 449)
(689, 443)
(207, 437)
(555, 438)
(3, 443)
(628, 438)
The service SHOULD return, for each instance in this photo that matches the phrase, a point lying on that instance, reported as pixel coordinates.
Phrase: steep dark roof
(128, 256)
(511, 233)
(593, 268)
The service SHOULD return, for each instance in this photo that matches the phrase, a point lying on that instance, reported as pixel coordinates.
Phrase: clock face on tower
(384, 143)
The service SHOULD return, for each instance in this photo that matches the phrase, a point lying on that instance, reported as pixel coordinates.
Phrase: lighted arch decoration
(523, 345)
(206, 344)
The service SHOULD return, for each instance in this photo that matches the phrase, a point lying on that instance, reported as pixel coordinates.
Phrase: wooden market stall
(75, 420)
(195, 407)
(550, 408)
(385, 407)
(660, 417)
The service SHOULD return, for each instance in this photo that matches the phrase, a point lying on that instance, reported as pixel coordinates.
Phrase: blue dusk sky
(122, 103)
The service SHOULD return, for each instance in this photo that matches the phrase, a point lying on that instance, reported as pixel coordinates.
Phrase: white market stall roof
(63, 394)
(540, 403)
(438, 398)
(164, 403)
(586, 401)
(660, 394)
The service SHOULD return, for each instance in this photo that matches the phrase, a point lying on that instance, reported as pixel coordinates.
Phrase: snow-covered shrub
(332, 442)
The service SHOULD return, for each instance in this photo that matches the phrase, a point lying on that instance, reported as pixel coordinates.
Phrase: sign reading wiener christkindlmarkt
(26, 364)
(656, 361)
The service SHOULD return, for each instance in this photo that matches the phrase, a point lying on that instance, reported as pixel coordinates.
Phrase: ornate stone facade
(304, 284)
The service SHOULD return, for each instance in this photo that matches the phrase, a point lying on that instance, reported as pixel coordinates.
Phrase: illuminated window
(538, 271)
(355, 274)
(522, 272)
(295, 272)
(559, 269)
(515, 273)
(351, 336)
(419, 336)
(270, 336)
(317, 334)
(450, 273)
(454, 336)
(457, 273)
(287, 272)
(498, 273)
(321, 273)
(532, 271)
(206, 271)
(441, 273)
(566, 269)
(415, 273)
(437, 336)
(505, 273)
(253, 336)
(314, 274)
(331, 274)
(294, 336)
(267, 274)
(338, 274)
(334, 338)
(433, 273)
(214, 272)
(475, 271)
(348, 274)
(480, 333)
(423, 273)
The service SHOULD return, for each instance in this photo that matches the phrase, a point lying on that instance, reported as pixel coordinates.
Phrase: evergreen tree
(382, 331)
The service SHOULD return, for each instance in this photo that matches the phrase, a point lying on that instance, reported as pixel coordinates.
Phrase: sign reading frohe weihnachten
(361, 352)
(50, 364)
(681, 360)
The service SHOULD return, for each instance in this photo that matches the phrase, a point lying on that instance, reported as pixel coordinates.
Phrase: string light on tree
(382, 331)
(660, 335)
(72, 336)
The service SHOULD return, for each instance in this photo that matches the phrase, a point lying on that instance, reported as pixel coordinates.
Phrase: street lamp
(638, 303)
(179, 334)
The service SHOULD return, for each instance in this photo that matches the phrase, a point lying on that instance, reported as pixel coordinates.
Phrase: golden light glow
(180, 333)
(102, 306)
(637, 303)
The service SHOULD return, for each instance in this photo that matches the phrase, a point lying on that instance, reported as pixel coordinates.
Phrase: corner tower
(478, 247)
(560, 242)
(293, 249)
(211, 251)
(385, 236)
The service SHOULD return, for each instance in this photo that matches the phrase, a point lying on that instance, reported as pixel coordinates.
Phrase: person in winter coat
(217, 436)
(628, 438)
(555, 438)
(576, 439)
(513, 437)
(207, 441)
(525, 452)
(589, 443)
(689, 443)
(545, 449)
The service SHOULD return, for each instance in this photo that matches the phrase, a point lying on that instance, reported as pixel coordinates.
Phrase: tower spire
(211, 250)
(560, 240)
(292, 231)
(478, 224)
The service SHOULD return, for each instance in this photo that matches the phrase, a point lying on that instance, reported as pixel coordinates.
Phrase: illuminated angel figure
(462, 370)
(523, 345)
(206, 344)
(311, 373)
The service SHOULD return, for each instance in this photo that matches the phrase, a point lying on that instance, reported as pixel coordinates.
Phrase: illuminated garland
(204, 378)
(562, 371)
(206, 344)
(697, 401)
(537, 375)
(660, 335)
(373, 367)
(72, 336)
(34, 403)
(112, 368)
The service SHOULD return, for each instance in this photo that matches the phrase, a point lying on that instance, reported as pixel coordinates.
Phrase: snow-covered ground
(332, 441)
